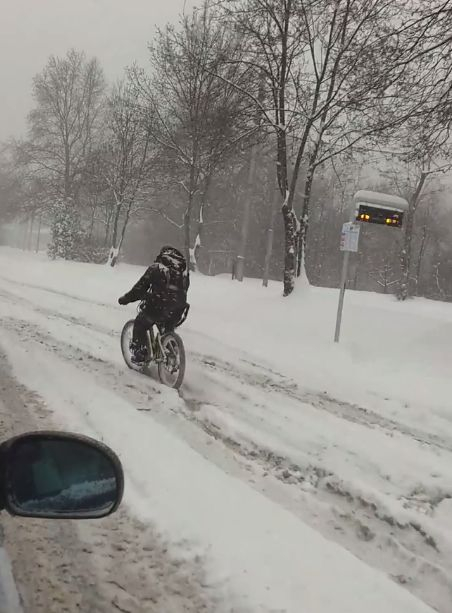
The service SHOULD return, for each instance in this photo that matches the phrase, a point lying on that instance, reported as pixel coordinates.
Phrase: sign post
(372, 208)
(349, 244)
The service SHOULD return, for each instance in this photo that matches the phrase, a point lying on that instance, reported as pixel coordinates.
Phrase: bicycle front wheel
(126, 343)
(172, 368)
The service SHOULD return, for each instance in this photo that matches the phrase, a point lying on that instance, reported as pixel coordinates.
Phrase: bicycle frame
(163, 347)
(154, 337)
(156, 351)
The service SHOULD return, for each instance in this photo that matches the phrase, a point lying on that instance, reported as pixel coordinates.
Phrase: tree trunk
(437, 282)
(30, 232)
(240, 265)
(114, 250)
(113, 257)
(198, 238)
(420, 257)
(405, 256)
(114, 253)
(107, 233)
(39, 233)
(24, 238)
(320, 245)
(304, 220)
(290, 235)
(114, 238)
(294, 240)
(91, 223)
(385, 279)
(199, 235)
(67, 171)
(187, 217)
(289, 217)
(189, 252)
(270, 235)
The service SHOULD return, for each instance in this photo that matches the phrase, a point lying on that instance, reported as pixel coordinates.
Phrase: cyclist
(163, 294)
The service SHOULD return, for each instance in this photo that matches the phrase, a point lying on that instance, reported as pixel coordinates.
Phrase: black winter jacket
(160, 288)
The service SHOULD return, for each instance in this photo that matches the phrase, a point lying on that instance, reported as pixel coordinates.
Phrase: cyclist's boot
(139, 355)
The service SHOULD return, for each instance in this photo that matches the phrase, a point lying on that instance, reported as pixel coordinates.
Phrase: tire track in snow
(353, 413)
(404, 549)
(55, 292)
(255, 375)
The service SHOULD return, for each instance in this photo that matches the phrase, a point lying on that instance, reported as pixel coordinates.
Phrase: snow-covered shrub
(68, 239)
(66, 231)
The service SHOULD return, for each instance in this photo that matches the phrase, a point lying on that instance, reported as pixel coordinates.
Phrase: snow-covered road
(277, 496)
(119, 564)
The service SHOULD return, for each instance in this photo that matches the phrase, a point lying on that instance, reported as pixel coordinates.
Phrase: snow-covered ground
(306, 476)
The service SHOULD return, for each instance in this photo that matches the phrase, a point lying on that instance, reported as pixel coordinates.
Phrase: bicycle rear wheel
(172, 368)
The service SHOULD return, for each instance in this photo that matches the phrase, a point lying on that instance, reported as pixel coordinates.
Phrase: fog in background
(211, 172)
(114, 31)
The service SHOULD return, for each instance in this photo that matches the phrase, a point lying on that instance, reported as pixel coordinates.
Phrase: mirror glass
(60, 477)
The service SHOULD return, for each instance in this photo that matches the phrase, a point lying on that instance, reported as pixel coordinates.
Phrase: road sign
(373, 214)
(379, 208)
(380, 200)
(350, 237)
(370, 207)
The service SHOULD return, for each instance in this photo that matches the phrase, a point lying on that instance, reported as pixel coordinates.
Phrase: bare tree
(425, 153)
(23, 196)
(68, 96)
(123, 161)
(425, 232)
(334, 70)
(274, 44)
(194, 117)
(406, 255)
(11, 185)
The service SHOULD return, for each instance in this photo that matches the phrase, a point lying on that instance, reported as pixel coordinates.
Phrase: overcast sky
(115, 31)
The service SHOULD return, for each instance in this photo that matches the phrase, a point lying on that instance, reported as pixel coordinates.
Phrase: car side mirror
(59, 475)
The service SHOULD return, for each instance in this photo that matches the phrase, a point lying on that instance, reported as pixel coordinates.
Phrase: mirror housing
(59, 475)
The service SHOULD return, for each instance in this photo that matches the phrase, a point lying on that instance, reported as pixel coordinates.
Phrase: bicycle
(164, 348)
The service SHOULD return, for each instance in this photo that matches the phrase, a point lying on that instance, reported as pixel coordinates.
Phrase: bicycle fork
(156, 349)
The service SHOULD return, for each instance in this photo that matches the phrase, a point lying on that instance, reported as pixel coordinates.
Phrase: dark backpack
(176, 264)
